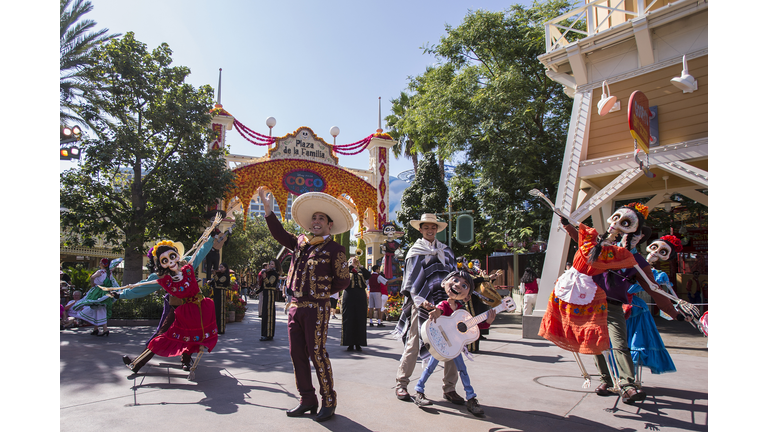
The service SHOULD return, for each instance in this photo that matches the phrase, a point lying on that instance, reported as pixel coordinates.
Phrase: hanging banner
(639, 116)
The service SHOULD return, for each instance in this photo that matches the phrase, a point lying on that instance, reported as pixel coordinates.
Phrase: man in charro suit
(318, 270)
(267, 292)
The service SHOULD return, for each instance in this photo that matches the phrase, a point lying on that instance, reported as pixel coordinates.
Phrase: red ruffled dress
(577, 313)
(195, 322)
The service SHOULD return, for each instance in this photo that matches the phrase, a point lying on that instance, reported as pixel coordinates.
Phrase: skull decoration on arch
(662, 248)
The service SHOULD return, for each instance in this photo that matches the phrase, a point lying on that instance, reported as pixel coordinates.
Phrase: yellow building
(628, 46)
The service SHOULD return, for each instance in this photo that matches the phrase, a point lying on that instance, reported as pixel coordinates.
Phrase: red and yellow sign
(639, 116)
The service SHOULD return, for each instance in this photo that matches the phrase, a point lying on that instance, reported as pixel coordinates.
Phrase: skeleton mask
(622, 221)
(658, 250)
(170, 260)
(389, 231)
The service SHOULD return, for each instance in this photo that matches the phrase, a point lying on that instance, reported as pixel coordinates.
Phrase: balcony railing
(596, 16)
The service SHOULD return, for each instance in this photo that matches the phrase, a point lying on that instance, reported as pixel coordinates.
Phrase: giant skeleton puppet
(194, 326)
(576, 315)
(388, 248)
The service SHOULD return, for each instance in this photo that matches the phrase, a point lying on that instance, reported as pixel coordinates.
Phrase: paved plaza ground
(245, 384)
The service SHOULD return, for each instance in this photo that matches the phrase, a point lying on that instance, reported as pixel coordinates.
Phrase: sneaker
(474, 408)
(380, 325)
(420, 400)
(370, 324)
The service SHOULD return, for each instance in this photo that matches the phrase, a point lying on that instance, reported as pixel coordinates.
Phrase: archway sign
(303, 162)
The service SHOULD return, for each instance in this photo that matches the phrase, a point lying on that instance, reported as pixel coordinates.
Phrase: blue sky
(306, 63)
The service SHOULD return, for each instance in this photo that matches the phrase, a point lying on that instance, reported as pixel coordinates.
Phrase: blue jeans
(462, 368)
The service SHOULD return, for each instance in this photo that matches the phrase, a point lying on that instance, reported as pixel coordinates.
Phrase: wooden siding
(682, 116)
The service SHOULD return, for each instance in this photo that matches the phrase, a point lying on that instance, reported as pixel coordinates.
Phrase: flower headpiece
(162, 243)
(673, 242)
(640, 208)
(151, 252)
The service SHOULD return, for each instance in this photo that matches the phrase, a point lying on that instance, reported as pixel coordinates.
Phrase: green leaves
(146, 173)
(488, 103)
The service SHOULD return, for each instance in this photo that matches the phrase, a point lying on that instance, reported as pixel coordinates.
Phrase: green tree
(76, 42)
(250, 246)
(146, 172)
(489, 101)
(427, 193)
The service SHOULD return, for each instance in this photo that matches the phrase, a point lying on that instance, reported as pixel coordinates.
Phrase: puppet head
(663, 248)
(625, 224)
(388, 230)
(167, 256)
(458, 285)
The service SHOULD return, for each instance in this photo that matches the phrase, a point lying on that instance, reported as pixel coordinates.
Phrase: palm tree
(76, 43)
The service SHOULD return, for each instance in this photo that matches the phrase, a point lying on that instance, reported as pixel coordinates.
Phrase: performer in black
(268, 288)
(354, 307)
(220, 285)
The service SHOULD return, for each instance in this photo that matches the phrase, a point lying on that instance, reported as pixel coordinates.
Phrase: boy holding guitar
(459, 286)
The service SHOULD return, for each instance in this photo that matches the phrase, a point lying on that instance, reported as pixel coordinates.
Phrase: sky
(305, 63)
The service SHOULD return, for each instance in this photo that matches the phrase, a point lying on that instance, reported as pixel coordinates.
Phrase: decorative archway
(296, 176)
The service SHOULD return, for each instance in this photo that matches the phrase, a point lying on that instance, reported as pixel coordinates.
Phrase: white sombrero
(309, 203)
(429, 218)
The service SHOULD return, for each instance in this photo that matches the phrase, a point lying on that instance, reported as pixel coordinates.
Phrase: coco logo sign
(299, 182)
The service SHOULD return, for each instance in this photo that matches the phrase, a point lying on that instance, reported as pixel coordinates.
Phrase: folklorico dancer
(96, 306)
(318, 270)
(193, 323)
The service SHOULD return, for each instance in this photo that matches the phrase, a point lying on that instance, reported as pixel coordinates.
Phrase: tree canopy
(489, 104)
(76, 41)
(145, 172)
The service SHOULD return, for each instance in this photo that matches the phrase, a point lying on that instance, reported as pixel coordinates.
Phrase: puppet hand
(564, 221)
(689, 311)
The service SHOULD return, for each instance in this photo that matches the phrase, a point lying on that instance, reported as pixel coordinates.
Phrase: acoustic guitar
(448, 334)
(220, 239)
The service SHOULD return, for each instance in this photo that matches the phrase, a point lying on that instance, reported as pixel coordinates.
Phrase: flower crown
(640, 208)
(673, 241)
(162, 243)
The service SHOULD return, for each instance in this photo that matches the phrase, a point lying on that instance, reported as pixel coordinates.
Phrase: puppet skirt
(577, 328)
(645, 341)
(193, 327)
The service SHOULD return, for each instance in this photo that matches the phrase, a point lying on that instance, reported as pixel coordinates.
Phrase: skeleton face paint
(622, 221)
(170, 260)
(658, 250)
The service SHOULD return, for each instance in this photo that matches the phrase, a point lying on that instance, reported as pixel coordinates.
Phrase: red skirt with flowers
(194, 326)
(577, 328)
